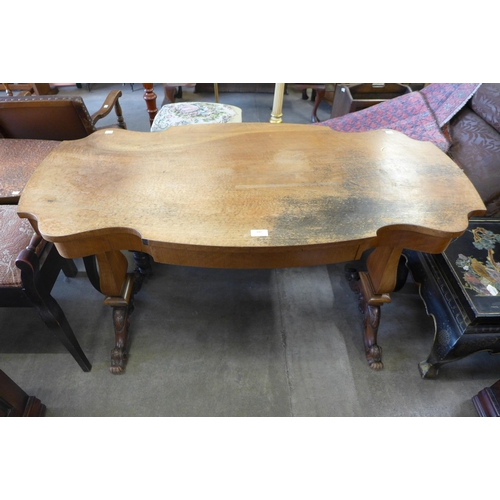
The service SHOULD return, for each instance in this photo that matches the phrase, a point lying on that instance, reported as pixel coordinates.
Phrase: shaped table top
(244, 186)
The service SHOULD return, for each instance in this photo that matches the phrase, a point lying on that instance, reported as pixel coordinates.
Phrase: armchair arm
(27, 260)
(110, 103)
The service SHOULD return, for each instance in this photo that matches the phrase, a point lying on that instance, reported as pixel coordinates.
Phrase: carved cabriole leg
(119, 353)
(373, 288)
(117, 285)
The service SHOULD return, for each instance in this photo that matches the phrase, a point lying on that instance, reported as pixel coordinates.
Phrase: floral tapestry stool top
(190, 113)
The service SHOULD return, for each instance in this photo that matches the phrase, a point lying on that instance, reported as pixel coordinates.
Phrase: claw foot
(374, 357)
(118, 360)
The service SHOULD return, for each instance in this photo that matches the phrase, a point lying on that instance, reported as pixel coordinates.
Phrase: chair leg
(53, 316)
(320, 93)
(69, 268)
(169, 94)
(119, 115)
(46, 306)
(92, 271)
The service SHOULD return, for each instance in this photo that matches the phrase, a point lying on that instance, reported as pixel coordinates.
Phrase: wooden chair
(28, 88)
(317, 94)
(8, 90)
(173, 90)
(53, 118)
(29, 267)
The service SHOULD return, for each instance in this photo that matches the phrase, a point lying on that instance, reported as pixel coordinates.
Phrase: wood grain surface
(193, 195)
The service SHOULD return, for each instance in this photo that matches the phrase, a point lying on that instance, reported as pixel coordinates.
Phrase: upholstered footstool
(191, 113)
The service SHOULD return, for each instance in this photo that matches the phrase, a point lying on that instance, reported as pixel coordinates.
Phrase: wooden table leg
(117, 285)
(122, 306)
(373, 288)
(150, 98)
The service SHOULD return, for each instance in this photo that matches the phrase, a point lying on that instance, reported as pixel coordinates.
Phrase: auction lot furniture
(32, 88)
(317, 93)
(350, 98)
(173, 90)
(248, 195)
(14, 402)
(461, 290)
(29, 267)
(192, 113)
(54, 118)
(487, 401)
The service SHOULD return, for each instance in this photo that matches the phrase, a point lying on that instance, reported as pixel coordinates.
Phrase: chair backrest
(45, 118)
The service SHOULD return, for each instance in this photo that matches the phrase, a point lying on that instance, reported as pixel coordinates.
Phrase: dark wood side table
(461, 290)
(14, 402)
(487, 401)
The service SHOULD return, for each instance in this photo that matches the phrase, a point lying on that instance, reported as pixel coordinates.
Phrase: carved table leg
(122, 309)
(373, 288)
(371, 319)
(117, 285)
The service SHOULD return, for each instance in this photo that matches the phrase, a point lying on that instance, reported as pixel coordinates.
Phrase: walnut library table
(248, 195)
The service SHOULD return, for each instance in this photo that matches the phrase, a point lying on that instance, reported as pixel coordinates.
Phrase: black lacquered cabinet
(461, 290)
